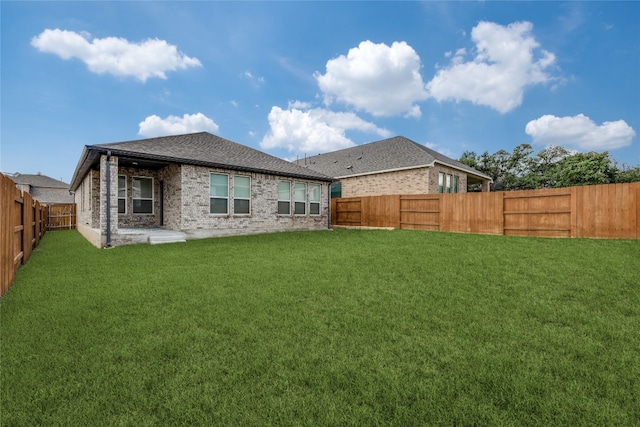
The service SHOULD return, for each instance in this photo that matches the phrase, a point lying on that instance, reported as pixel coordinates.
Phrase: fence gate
(62, 216)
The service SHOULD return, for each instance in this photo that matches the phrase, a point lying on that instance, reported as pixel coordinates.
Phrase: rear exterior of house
(199, 185)
(394, 166)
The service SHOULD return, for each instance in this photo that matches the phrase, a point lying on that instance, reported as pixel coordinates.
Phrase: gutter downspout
(329, 205)
(108, 199)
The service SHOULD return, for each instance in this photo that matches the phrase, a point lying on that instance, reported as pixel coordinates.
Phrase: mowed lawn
(344, 327)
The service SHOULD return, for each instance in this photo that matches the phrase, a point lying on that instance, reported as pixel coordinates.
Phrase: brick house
(192, 186)
(394, 166)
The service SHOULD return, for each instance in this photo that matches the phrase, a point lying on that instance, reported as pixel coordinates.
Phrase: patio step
(167, 238)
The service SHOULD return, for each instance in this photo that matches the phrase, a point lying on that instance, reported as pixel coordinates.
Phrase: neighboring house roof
(397, 153)
(201, 149)
(43, 188)
(37, 180)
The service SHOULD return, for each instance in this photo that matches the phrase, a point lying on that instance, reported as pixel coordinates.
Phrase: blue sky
(296, 78)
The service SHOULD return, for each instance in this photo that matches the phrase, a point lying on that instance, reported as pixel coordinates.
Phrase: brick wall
(186, 203)
(411, 181)
(129, 219)
(433, 178)
(88, 206)
(264, 205)
(94, 200)
(172, 178)
(113, 178)
(82, 199)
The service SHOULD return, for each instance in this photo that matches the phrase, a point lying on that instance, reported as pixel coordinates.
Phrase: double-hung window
(448, 184)
(440, 182)
(314, 199)
(122, 194)
(455, 183)
(242, 195)
(142, 195)
(219, 193)
(284, 198)
(300, 192)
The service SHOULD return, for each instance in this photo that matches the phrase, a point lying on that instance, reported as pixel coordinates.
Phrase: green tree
(553, 166)
(470, 158)
(627, 174)
(545, 165)
(585, 169)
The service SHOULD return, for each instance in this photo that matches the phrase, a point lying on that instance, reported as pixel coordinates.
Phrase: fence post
(504, 232)
(399, 213)
(638, 210)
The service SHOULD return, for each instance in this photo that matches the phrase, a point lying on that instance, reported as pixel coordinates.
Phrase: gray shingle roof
(202, 149)
(38, 180)
(389, 154)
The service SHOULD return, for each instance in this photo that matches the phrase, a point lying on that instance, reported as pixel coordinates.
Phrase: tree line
(553, 166)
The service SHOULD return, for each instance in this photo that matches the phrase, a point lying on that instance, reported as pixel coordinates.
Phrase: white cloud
(508, 59)
(382, 80)
(116, 56)
(256, 81)
(174, 125)
(313, 131)
(299, 105)
(580, 132)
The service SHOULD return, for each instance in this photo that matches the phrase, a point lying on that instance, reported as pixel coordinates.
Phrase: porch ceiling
(471, 180)
(131, 162)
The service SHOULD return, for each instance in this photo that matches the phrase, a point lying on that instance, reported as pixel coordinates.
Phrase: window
(440, 182)
(314, 199)
(336, 190)
(448, 190)
(284, 198)
(300, 206)
(241, 195)
(455, 184)
(219, 193)
(142, 195)
(122, 194)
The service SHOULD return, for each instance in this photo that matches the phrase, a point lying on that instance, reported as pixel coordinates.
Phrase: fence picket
(22, 225)
(604, 211)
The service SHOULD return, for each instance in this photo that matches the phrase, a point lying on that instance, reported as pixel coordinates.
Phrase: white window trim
(318, 202)
(282, 200)
(241, 198)
(212, 197)
(306, 197)
(125, 194)
(153, 196)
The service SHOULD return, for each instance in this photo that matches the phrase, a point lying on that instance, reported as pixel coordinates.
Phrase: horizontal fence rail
(595, 211)
(62, 216)
(23, 222)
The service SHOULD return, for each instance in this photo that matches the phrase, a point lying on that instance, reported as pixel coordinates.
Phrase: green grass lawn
(324, 328)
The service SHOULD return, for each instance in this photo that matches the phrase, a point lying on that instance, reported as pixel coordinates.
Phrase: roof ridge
(154, 137)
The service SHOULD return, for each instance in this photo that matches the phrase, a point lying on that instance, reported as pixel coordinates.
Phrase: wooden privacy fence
(605, 211)
(62, 216)
(23, 222)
